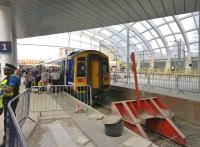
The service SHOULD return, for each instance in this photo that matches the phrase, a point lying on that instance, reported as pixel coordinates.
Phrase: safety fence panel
(49, 98)
(38, 99)
(142, 79)
(189, 83)
(163, 81)
(15, 120)
(120, 77)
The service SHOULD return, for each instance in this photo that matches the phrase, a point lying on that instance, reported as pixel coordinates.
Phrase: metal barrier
(187, 83)
(163, 81)
(14, 135)
(119, 77)
(37, 99)
(48, 98)
(143, 79)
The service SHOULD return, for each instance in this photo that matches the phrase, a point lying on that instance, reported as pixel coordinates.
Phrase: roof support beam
(183, 33)
(143, 39)
(152, 24)
(123, 38)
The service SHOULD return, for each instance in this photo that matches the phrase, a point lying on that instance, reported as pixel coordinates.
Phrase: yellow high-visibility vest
(3, 84)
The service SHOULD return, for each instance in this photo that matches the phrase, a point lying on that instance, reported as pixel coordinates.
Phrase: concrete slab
(78, 128)
(136, 142)
(61, 137)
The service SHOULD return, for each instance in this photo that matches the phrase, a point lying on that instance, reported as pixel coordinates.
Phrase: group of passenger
(41, 76)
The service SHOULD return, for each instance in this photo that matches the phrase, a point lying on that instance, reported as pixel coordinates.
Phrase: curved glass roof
(152, 39)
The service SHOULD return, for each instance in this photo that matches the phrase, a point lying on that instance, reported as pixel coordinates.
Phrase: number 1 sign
(5, 46)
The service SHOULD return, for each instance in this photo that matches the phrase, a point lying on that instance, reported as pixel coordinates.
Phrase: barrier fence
(39, 99)
(187, 83)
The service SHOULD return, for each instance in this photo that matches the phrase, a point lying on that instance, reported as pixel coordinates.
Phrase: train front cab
(92, 68)
(98, 74)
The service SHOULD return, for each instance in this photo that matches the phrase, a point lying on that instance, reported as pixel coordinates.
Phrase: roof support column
(199, 60)
(128, 56)
(168, 66)
(8, 51)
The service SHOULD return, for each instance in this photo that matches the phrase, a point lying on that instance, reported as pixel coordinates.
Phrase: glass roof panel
(188, 23)
(154, 33)
(138, 38)
(134, 40)
(184, 15)
(147, 35)
(98, 37)
(174, 27)
(194, 47)
(88, 33)
(106, 32)
(157, 50)
(197, 20)
(160, 43)
(173, 51)
(163, 50)
(94, 42)
(153, 44)
(139, 27)
(123, 42)
(124, 32)
(169, 18)
(170, 40)
(144, 46)
(158, 21)
(85, 39)
(193, 36)
(115, 38)
(179, 37)
(146, 24)
(165, 30)
(118, 27)
(140, 47)
(97, 29)
(132, 34)
(108, 42)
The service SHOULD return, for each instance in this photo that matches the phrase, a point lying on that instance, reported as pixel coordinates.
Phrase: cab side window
(81, 67)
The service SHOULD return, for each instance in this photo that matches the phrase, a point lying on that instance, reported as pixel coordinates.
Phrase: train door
(95, 74)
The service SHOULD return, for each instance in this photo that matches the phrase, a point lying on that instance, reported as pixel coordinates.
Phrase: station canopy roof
(157, 27)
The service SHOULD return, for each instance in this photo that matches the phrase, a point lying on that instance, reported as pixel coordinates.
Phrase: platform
(70, 129)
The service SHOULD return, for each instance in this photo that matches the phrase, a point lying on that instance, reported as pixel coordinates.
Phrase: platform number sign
(5, 46)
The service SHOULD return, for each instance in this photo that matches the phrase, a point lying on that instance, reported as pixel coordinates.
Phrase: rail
(38, 99)
(184, 83)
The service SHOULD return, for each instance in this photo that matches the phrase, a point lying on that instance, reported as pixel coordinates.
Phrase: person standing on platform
(10, 90)
(55, 79)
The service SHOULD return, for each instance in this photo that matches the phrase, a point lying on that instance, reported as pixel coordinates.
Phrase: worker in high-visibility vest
(10, 90)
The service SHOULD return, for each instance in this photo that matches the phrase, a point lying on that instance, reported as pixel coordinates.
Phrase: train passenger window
(81, 69)
(105, 67)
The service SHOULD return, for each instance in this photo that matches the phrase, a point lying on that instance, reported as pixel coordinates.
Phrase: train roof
(73, 54)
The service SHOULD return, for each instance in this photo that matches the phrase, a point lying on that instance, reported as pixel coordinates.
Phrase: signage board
(5, 46)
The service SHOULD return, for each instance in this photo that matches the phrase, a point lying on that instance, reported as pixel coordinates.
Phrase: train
(85, 68)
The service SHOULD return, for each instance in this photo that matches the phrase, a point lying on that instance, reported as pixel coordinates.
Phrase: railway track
(191, 132)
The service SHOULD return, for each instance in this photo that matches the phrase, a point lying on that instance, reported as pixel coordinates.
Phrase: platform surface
(70, 129)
